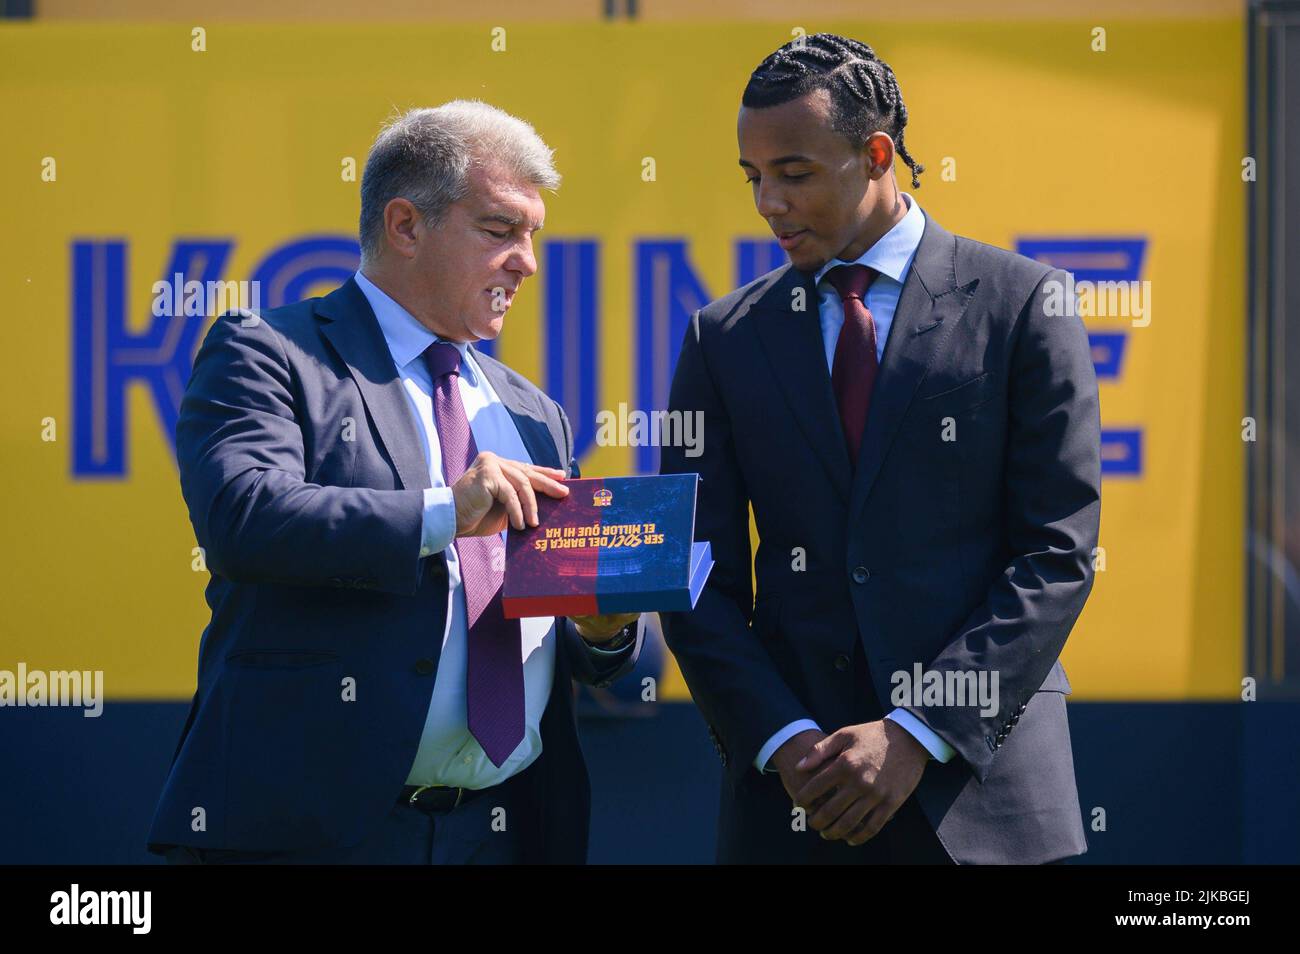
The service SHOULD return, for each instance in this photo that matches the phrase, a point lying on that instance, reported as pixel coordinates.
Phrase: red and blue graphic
(613, 545)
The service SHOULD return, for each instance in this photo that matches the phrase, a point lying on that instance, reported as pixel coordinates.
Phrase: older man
(350, 464)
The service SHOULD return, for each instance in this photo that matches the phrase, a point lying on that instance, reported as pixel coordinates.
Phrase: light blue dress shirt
(891, 256)
(448, 754)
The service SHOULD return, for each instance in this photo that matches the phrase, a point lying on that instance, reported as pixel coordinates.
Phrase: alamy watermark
(130, 908)
(967, 687)
(1086, 299)
(56, 687)
(178, 298)
(624, 428)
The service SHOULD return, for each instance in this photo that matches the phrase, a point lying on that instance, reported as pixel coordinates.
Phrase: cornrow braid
(864, 92)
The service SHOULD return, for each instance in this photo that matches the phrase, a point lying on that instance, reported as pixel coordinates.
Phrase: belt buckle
(460, 794)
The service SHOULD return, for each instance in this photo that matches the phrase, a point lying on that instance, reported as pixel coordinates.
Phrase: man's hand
(788, 755)
(601, 629)
(495, 490)
(860, 776)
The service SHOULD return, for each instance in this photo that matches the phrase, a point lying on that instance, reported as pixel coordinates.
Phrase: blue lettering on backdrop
(572, 333)
(107, 357)
(668, 292)
(756, 257)
(1101, 260)
(289, 273)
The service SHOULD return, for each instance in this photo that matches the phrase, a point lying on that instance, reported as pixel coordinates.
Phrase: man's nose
(770, 201)
(523, 260)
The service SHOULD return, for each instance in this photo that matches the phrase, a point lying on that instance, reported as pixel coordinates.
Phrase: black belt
(439, 798)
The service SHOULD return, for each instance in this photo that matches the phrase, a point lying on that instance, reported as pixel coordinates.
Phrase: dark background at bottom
(1181, 783)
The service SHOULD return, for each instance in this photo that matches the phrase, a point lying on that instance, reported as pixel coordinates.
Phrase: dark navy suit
(962, 539)
(313, 544)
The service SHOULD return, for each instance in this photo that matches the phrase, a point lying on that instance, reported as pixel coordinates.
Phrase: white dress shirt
(891, 256)
(448, 754)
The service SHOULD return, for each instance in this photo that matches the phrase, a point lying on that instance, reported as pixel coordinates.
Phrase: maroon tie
(853, 372)
(494, 681)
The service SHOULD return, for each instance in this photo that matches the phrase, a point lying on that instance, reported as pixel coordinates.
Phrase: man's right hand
(495, 490)
(791, 751)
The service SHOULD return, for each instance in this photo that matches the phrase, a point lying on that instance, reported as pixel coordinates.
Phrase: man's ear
(401, 220)
(880, 150)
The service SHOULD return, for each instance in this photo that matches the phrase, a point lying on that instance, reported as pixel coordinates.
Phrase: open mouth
(789, 240)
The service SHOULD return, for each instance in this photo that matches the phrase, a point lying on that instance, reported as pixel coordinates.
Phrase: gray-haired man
(350, 464)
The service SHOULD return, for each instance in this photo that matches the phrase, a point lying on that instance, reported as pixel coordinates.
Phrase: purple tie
(853, 371)
(495, 670)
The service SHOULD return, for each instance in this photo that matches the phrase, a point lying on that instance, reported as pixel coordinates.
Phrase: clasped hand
(852, 781)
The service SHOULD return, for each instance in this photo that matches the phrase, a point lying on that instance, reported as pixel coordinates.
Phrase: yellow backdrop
(243, 147)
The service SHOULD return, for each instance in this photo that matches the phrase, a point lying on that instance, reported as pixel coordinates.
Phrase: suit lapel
(930, 307)
(794, 346)
(524, 411)
(351, 327)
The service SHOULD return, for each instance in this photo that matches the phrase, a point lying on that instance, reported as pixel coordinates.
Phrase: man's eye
(802, 175)
(500, 235)
(752, 179)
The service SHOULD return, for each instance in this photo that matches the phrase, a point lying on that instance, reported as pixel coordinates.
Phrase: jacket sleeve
(239, 446)
(1052, 503)
(732, 678)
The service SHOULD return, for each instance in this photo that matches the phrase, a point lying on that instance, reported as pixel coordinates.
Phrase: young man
(918, 437)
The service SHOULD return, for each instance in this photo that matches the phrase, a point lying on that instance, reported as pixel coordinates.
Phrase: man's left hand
(867, 771)
(601, 629)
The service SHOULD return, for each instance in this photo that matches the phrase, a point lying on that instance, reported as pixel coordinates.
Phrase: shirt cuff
(781, 737)
(439, 529)
(939, 750)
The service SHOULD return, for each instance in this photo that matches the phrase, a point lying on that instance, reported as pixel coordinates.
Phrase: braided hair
(864, 93)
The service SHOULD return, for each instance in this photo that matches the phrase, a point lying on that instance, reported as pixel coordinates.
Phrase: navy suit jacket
(963, 554)
(313, 544)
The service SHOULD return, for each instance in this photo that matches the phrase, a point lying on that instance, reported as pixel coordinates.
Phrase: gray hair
(424, 156)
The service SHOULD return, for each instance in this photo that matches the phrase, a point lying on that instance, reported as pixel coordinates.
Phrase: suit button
(842, 662)
(424, 667)
(861, 574)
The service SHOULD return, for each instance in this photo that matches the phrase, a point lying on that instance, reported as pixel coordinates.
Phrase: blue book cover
(613, 545)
